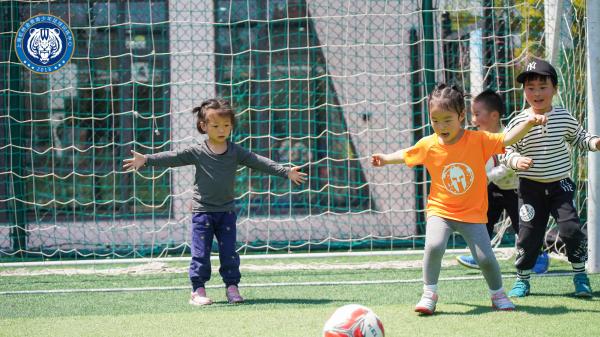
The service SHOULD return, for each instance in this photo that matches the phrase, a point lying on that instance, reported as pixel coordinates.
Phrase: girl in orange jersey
(455, 159)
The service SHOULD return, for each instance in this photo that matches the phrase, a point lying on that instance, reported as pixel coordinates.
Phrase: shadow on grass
(570, 294)
(535, 310)
(293, 301)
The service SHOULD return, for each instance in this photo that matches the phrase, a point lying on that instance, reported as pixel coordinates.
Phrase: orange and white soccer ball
(353, 320)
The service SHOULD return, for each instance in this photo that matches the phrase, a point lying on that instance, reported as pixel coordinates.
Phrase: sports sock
(524, 274)
(430, 287)
(578, 267)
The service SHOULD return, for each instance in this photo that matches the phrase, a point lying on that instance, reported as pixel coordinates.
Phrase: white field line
(281, 265)
(163, 268)
(258, 285)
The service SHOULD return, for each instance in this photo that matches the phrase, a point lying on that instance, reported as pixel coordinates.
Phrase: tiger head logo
(44, 44)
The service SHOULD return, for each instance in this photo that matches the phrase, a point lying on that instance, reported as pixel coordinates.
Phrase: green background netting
(321, 84)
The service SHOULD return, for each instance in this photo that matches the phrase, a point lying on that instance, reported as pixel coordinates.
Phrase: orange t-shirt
(458, 179)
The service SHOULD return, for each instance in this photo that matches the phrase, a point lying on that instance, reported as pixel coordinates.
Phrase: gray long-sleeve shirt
(215, 173)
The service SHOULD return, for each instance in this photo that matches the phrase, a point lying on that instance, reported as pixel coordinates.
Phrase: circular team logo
(458, 178)
(526, 212)
(44, 43)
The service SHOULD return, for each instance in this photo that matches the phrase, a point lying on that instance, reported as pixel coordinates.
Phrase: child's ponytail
(222, 107)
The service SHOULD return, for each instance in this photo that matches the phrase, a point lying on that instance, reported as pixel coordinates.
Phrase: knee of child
(570, 234)
(486, 262)
(435, 249)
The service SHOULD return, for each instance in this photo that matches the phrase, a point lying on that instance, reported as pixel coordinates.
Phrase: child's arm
(578, 136)
(267, 165)
(381, 159)
(495, 170)
(498, 172)
(520, 130)
(165, 159)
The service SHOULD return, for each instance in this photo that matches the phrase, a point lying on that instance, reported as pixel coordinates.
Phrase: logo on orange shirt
(457, 178)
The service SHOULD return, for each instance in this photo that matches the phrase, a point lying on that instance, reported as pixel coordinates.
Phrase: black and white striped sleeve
(577, 135)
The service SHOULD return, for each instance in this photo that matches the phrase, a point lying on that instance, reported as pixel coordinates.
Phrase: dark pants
(500, 200)
(205, 226)
(536, 202)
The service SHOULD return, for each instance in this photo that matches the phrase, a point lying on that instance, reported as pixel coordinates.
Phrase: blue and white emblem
(44, 43)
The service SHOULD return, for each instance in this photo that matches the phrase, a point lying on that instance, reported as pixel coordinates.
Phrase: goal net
(321, 84)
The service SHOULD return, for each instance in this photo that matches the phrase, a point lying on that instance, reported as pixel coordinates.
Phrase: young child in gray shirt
(216, 161)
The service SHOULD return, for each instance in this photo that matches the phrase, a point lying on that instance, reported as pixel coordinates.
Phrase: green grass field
(300, 308)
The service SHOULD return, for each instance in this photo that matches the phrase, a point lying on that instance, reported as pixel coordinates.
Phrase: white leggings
(437, 233)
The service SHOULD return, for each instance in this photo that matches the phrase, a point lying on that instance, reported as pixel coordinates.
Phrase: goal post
(593, 111)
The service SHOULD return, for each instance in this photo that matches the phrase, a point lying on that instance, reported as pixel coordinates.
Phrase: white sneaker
(199, 297)
(427, 303)
(501, 302)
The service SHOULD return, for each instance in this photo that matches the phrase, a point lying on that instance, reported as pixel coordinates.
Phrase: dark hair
(539, 77)
(491, 100)
(222, 106)
(450, 98)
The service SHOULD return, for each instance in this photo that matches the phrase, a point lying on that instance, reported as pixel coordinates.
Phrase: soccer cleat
(501, 302)
(521, 288)
(582, 285)
(199, 297)
(541, 264)
(233, 295)
(467, 261)
(426, 305)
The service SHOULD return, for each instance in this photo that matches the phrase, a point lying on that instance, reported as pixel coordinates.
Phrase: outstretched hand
(296, 176)
(138, 160)
(536, 119)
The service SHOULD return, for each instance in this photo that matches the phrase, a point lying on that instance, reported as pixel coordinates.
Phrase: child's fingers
(525, 163)
(297, 168)
(376, 160)
(299, 178)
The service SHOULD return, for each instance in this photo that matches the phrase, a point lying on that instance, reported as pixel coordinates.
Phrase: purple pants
(205, 226)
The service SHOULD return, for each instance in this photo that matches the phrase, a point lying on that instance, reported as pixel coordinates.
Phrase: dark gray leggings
(437, 233)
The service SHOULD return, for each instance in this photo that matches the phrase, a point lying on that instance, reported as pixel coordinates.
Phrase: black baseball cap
(538, 67)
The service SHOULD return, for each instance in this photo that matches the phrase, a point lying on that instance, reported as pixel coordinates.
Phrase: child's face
(538, 94)
(217, 127)
(483, 118)
(446, 124)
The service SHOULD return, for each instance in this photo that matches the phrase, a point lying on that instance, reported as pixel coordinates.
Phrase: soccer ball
(353, 320)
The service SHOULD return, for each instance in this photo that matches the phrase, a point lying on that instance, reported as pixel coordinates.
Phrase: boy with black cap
(487, 110)
(543, 163)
